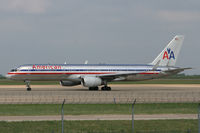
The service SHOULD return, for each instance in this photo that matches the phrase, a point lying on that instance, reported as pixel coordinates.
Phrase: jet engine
(69, 83)
(92, 81)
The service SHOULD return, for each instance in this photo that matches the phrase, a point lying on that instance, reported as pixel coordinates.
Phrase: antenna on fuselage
(86, 62)
(65, 62)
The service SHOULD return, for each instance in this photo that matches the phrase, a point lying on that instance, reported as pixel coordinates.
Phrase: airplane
(95, 75)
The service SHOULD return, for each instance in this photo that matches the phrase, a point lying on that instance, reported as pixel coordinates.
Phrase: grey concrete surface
(144, 93)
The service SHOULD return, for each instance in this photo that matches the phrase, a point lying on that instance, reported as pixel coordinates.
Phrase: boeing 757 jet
(95, 75)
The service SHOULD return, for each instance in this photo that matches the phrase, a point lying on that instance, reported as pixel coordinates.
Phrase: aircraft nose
(8, 76)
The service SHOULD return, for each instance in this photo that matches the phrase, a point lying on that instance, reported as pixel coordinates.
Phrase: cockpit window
(13, 70)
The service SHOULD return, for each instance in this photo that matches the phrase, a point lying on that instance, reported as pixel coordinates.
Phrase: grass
(155, 81)
(155, 126)
(84, 109)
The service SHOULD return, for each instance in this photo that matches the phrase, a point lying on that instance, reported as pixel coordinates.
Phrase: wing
(122, 76)
(110, 77)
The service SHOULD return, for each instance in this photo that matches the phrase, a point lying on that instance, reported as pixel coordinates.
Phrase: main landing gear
(93, 88)
(104, 88)
(28, 85)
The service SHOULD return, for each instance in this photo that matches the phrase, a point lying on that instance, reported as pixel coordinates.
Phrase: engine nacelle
(91, 81)
(69, 83)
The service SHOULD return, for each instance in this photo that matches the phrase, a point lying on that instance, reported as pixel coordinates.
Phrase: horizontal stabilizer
(177, 70)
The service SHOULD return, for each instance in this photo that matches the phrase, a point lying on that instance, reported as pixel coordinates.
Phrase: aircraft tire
(108, 88)
(96, 88)
(29, 89)
(103, 88)
(93, 88)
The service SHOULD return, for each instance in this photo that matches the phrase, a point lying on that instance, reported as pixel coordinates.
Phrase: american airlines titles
(46, 67)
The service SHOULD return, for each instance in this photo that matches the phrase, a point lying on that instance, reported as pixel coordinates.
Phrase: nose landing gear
(28, 85)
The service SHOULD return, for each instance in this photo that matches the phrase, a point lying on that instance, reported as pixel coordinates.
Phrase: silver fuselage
(74, 72)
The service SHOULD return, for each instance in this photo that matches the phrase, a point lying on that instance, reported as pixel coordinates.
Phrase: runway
(126, 93)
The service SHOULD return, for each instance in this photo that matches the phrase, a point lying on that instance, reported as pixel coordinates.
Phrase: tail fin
(169, 55)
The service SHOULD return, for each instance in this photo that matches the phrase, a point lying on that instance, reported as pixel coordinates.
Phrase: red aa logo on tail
(169, 54)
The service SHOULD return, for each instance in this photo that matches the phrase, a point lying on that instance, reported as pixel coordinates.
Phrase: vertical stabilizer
(169, 55)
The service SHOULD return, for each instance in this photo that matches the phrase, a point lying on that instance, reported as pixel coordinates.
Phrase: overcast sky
(100, 31)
